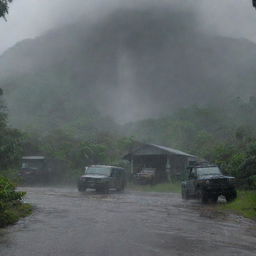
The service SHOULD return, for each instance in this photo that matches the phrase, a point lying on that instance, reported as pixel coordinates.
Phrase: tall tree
(10, 140)
(4, 7)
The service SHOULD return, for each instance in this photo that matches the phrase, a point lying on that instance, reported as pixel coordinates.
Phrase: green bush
(7, 191)
(8, 217)
(11, 206)
(252, 182)
(11, 175)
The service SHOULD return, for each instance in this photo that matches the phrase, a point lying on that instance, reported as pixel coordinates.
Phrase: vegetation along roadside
(12, 208)
(244, 205)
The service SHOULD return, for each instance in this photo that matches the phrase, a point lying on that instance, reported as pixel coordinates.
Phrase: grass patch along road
(245, 204)
(13, 213)
(163, 187)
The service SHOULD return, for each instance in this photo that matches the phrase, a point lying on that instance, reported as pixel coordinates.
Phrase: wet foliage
(11, 206)
(76, 153)
(10, 140)
(4, 7)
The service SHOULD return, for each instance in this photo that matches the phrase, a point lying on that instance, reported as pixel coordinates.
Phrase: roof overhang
(153, 149)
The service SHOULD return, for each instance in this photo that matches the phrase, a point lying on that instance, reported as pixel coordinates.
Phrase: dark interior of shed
(151, 161)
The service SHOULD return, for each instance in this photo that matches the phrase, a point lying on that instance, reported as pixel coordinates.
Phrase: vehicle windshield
(32, 164)
(98, 170)
(208, 171)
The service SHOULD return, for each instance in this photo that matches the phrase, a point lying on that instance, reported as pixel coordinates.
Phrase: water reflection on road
(66, 223)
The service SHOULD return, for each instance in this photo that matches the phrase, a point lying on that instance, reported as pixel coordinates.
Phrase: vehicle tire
(104, 190)
(203, 196)
(214, 199)
(99, 190)
(231, 196)
(121, 188)
(184, 194)
(81, 187)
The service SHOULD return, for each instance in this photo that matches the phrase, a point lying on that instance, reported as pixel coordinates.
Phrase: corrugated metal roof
(171, 150)
(104, 166)
(33, 157)
(161, 148)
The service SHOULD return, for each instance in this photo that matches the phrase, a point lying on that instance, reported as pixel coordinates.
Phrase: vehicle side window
(115, 173)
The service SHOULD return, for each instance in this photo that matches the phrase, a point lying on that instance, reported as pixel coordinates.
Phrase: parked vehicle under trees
(208, 183)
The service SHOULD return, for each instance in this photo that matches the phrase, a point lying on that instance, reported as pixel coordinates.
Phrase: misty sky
(30, 18)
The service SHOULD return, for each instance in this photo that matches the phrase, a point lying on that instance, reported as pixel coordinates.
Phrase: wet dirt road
(68, 223)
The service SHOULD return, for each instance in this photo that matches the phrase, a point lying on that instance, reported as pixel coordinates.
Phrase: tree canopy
(4, 7)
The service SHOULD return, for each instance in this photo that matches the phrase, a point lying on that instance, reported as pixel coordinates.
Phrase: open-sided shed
(168, 162)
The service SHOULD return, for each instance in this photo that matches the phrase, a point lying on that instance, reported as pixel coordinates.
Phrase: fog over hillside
(129, 64)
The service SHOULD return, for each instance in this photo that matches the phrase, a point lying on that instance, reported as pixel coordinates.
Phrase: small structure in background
(34, 169)
(170, 164)
(39, 169)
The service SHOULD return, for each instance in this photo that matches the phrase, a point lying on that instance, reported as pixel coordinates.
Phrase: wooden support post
(168, 169)
(132, 165)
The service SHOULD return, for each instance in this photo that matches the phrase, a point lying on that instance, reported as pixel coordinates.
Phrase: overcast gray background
(30, 18)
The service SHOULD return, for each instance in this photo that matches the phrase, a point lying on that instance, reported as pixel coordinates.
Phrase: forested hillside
(129, 65)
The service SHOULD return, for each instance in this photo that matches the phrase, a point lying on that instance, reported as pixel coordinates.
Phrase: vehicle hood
(214, 177)
(94, 176)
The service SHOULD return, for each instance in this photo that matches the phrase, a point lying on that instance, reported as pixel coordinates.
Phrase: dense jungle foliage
(223, 135)
(11, 205)
(10, 140)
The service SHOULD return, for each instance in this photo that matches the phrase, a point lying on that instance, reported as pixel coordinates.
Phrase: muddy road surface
(68, 223)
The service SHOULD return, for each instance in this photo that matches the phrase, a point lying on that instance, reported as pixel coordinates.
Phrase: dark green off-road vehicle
(102, 178)
(207, 183)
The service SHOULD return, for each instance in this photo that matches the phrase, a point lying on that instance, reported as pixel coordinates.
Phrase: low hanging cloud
(30, 18)
(137, 59)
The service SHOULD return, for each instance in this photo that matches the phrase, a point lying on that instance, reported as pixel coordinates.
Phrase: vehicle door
(191, 183)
